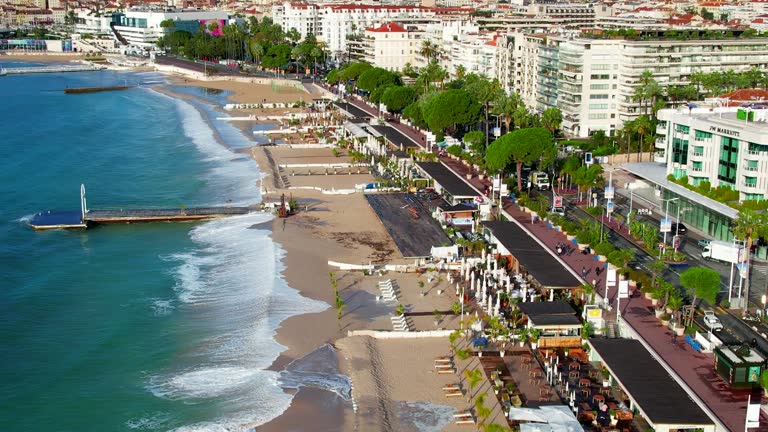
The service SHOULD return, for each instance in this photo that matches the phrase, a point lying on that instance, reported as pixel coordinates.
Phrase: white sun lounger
(443, 361)
(446, 371)
(467, 421)
(464, 414)
(455, 393)
(452, 387)
(443, 366)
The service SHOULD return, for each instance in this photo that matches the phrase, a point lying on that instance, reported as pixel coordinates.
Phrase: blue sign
(609, 206)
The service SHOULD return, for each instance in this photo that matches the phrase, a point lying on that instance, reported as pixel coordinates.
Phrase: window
(598, 96)
(750, 181)
(599, 77)
(697, 166)
(598, 106)
(680, 151)
(601, 67)
(751, 165)
(682, 128)
(598, 116)
(599, 86)
(701, 135)
(698, 150)
(729, 153)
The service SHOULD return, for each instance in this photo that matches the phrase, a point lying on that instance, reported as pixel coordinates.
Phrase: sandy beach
(41, 58)
(343, 228)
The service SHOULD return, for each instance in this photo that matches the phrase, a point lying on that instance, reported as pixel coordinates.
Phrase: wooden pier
(79, 90)
(86, 218)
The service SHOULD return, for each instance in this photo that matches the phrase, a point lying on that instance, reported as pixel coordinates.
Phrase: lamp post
(677, 228)
(666, 217)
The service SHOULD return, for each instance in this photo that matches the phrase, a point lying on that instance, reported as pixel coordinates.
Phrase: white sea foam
(152, 421)
(230, 288)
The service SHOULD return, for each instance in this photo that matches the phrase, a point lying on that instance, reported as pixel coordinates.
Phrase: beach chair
(446, 371)
(443, 366)
(466, 421)
(463, 414)
(455, 393)
(443, 361)
(452, 387)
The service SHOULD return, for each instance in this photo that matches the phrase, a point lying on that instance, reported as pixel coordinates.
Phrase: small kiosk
(740, 366)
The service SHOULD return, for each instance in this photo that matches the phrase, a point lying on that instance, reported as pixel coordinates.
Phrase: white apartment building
(89, 22)
(723, 146)
(475, 51)
(389, 46)
(517, 64)
(141, 27)
(332, 23)
(592, 81)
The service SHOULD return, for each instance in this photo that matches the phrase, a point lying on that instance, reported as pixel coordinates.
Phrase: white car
(559, 211)
(712, 321)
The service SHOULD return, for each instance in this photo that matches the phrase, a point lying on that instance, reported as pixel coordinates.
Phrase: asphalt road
(735, 330)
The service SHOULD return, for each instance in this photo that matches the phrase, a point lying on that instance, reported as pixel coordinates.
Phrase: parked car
(559, 211)
(712, 321)
(703, 243)
(678, 228)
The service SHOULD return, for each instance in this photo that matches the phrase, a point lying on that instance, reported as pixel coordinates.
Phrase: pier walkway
(85, 218)
(53, 69)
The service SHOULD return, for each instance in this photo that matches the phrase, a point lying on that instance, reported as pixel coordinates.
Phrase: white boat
(3, 72)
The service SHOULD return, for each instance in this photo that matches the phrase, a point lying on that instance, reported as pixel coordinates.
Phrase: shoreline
(311, 407)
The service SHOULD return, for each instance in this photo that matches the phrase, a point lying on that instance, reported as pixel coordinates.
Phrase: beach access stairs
(117, 34)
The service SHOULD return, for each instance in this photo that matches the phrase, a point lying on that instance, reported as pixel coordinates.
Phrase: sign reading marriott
(723, 131)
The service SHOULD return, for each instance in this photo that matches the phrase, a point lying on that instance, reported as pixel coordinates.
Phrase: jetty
(79, 90)
(53, 69)
(86, 218)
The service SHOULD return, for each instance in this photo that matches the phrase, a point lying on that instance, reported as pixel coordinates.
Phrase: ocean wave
(153, 421)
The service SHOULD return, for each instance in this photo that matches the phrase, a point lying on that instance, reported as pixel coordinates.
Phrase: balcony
(660, 157)
(749, 185)
(751, 169)
(660, 142)
(661, 128)
(697, 154)
(697, 169)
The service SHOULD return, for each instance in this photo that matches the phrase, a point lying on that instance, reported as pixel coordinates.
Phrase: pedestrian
(583, 272)
(674, 338)
(597, 271)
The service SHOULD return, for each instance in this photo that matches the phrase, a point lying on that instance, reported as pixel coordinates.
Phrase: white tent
(546, 418)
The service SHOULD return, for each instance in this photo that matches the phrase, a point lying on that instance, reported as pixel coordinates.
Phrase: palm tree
(505, 106)
(551, 119)
(748, 225)
(429, 50)
(643, 126)
(474, 377)
(460, 71)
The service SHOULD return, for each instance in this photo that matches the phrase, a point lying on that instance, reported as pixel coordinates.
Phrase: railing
(750, 168)
(749, 185)
(560, 342)
(697, 154)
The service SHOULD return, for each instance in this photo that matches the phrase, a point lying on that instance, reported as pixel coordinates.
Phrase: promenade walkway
(692, 369)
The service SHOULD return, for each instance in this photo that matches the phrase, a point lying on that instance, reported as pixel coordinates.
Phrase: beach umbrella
(498, 302)
(457, 290)
(551, 295)
(490, 306)
(496, 266)
(484, 254)
(472, 285)
(566, 388)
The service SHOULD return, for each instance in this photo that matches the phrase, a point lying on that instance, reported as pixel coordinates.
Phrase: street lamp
(677, 228)
(666, 217)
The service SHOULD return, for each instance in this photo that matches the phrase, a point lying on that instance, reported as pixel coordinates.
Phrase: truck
(723, 251)
(540, 180)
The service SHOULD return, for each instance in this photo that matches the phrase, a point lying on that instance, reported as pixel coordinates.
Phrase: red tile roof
(745, 95)
(388, 28)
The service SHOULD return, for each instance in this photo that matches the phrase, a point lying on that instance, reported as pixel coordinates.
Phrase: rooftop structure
(642, 378)
(528, 254)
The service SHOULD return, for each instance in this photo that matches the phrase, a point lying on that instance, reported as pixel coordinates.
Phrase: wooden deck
(73, 219)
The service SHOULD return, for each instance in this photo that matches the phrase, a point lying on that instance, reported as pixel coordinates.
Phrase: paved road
(735, 330)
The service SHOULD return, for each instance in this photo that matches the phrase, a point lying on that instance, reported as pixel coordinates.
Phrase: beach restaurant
(649, 391)
(527, 255)
(450, 186)
(739, 366)
(557, 322)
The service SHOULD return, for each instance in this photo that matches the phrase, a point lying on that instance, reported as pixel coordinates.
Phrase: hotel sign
(723, 131)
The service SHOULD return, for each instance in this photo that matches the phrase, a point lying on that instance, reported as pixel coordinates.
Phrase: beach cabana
(546, 418)
(456, 215)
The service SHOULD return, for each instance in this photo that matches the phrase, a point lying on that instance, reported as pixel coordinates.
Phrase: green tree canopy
(551, 120)
(524, 147)
(396, 98)
(701, 282)
(451, 108)
(333, 76)
(476, 141)
(413, 113)
(374, 78)
(277, 56)
(353, 71)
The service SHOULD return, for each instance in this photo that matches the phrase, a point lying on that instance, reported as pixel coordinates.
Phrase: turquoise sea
(135, 327)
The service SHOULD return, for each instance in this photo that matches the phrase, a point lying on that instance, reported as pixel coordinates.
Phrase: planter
(632, 283)
(648, 296)
(679, 330)
(654, 302)
(469, 176)
(658, 313)
(534, 345)
(570, 237)
(665, 323)
(602, 258)
(501, 353)
(481, 176)
(582, 246)
(668, 310)
(606, 383)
